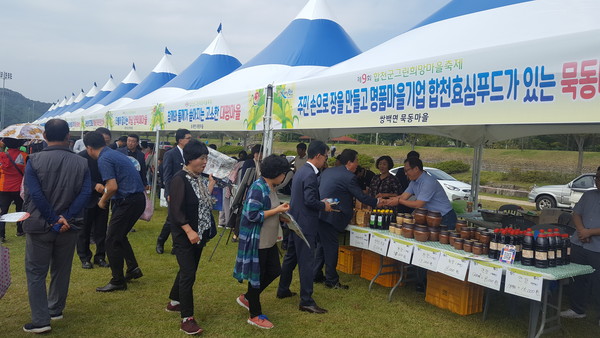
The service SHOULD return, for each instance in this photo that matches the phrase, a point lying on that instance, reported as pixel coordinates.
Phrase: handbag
(4, 270)
(149, 210)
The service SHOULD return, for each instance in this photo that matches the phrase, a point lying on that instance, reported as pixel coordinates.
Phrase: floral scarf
(205, 200)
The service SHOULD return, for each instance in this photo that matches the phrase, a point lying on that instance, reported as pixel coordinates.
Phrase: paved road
(507, 200)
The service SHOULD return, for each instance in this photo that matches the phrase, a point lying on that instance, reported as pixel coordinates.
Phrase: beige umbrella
(23, 131)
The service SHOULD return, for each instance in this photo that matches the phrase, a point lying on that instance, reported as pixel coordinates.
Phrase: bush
(364, 161)
(536, 176)
(290, 153)
(231, 150)
(453, 167)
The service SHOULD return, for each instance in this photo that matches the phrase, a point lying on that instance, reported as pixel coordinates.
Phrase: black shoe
(87, 265)
(337, 285)
(112, 287)
(286, 295)
(132, 230)
(133, 274)
(102, 263)
(172, 251)
(160, 248)
(19, 234)
(313, 309)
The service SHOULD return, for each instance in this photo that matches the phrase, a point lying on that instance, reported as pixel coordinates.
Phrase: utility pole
(5, 76)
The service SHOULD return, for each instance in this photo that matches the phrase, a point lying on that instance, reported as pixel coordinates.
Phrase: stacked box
(370, 265)
(362, 218)
(458, 296)
(349, 259)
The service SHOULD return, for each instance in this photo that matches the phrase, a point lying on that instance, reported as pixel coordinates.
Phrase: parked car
(455, 189)
(561, 196)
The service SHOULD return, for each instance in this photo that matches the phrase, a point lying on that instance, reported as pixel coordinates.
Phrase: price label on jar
(359, 238)
(379, 243)
(400, 250)
(453, 265)
(524, 284)
(486, 274)
(426, 257)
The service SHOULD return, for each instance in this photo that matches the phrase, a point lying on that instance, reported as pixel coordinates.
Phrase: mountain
(18, 108)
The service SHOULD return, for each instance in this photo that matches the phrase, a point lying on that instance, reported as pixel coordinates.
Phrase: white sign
(400, 250)
(359, 238)
(453, 265)
(426, 257)
(524, 284)
(486, 274)
(379, 244)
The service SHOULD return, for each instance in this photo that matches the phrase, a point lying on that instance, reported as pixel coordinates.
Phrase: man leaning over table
(585, 249)
(429, 194)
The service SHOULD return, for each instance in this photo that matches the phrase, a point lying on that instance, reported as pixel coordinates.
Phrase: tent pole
(155, 175)
(268, 123)
(475, 177)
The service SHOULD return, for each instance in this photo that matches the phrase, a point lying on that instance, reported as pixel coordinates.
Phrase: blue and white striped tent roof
(88, 96)
(215, 62)
(108, 87)
(74, 101)
(127, 84)
(311, 42)
(162, 73)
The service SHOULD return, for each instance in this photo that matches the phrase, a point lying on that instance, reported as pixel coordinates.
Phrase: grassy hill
(19, 109)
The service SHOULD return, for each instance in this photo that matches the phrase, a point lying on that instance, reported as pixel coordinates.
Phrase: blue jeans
(450, 219)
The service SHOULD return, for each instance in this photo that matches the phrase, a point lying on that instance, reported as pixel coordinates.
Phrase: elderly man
(585, 249)
(132, 150)
(124, 187)
(57, 188)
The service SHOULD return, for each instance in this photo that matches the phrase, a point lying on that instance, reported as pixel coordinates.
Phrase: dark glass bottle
(559, 244)
(493, 252)
(551, 249)
(566, 249)
(528, 253)
(541, 250)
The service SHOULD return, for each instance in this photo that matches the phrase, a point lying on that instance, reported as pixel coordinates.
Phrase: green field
(139, 311)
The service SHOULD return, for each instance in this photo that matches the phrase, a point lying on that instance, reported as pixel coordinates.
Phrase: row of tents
(476, 70)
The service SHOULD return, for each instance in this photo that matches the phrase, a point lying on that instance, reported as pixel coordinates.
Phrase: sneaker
(261, 321)
(173, 308)
(571, 314)
(243, 302)
(190, 326)
(36, 329)
(56, 316)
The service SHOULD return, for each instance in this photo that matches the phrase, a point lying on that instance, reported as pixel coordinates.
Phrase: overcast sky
(56, 47)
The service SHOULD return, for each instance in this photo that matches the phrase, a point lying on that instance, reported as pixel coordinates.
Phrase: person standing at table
(12, 169)
(384, 185)
(585, 249)
(124, 187)
(305, 205)
(341, 183)
(172, 162)
(430, 195)
(57, 187)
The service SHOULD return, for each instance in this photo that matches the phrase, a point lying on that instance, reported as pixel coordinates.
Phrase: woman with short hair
(192, 225)
(258, 257)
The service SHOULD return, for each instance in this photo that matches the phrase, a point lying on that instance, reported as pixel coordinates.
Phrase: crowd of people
(68, 191)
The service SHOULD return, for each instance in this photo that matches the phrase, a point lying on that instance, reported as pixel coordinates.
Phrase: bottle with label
(566, 249)
(527, 257)
(379, 220)
(373, 219)
(559, 245)
(551, 249)
(493, 252)
(541, 250)
(516, 241)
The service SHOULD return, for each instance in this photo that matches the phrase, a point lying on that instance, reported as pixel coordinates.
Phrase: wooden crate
(349, 259)
(370, 265)
(458, 296)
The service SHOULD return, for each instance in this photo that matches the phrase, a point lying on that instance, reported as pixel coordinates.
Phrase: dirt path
(507, 200)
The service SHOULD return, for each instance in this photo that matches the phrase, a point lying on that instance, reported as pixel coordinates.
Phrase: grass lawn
(139, 311)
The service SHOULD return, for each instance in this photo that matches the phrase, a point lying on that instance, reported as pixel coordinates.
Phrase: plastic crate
(460, 297)
(370, 265)
(349, 260)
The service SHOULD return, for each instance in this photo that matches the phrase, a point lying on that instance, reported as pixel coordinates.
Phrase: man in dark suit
(305, 206)
(132, 149)
(172, 163)
(341, 183)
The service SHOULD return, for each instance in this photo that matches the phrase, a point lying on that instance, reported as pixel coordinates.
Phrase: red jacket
(10, 177)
